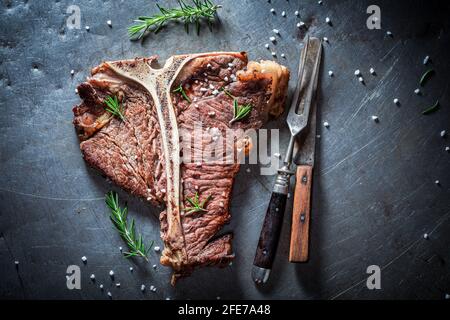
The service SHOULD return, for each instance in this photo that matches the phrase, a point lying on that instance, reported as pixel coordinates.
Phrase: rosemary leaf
(189, 14)
(431, 109)
(196, 205)
(426, 76)
(240, 112)
(128, 233)
(114, 107)
(183, 93)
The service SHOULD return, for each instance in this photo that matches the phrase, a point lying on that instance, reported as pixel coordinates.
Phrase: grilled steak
(157, 153)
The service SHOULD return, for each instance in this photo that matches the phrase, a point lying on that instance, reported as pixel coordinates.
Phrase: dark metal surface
(374, 193)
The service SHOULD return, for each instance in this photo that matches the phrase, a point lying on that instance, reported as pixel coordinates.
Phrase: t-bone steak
(145, 152)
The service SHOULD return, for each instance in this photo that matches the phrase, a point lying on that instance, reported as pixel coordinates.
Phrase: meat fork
(297, 120)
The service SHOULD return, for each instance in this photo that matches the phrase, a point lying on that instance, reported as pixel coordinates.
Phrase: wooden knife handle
(298, 251)
(270, 232)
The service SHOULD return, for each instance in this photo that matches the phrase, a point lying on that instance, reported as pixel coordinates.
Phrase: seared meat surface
(158, 154)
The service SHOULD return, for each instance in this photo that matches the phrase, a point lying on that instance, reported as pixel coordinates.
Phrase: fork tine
(301, 64)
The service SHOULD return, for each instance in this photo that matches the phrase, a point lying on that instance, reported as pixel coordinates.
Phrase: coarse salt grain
(215, 92)
(326, 124)
(319, 2)
(417, 91)
(276, 31)
(447, 149)
(118, 284)
(272, 10)
(266, 45)
(87, 28)
(389, 34)
(101, 287)
(111, 273)
(109, 294)
(296, 13)
(211, 86)
(300, 24)
(72, 72)
(330, 73)
(131, 269)
(425, 236)
(272, 39)
(327, 20)
(142, 287)
(154, 266)
(225, 79)
(396, 101)
(361, 79)
(83, 258)
(203, 89)
(109, 23)
(375, 118)
(274, 53)
(437, 182)
(426, 59)
(372, 71)
(92, 277)
(357, 72)
(157, 249)
(325, 39)
(283, 14)
(443, 132)
(283, 55)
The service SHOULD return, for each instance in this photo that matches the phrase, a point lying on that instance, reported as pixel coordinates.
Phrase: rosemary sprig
(240, 112)
(128, 233)
(196, 205)
(181, 91)
(114, 107)
(189, 14)
(426, 76)
(431, 109)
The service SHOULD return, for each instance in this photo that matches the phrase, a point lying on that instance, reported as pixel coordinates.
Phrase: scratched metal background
(374, 193)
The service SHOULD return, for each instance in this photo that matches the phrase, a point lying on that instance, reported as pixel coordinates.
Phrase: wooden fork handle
(298, 251)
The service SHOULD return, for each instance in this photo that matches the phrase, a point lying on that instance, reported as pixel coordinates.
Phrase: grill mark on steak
(145, 160)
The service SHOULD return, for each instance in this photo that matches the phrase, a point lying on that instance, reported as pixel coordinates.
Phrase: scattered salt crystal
(425, 236)
(447, 149)
(157, 249)
(211, 86)
(215, 92)
(330, 73)
(274, 53)
(101, 286)
(131, 269)
(109, 23)
(120, 249)
(168, 298)
(163, 190)
(276, 31)
(327, 20)
(266, 45)
(149, 198)
(283, 14)
(375, 118)
(417, 91)
(118, 284)
(300, 24)
(357, 72)
(361, 79)
(109, 294)
(372, 71)
(209, 65)
(154, 266)
(152, 288)
(83, 258)
(277, 155)
(443, 132)
(233, 77)
(272, 10)
(225, 79)
(16, 263)
(76, 90)
(203, 89)
(326, 124)
(87, 28)
(72, 72)
(142, 287)
(447, 296)
(389, 34)
(296, 13)
(211, 113)
(111, 273)
(426, 60)
(437, 182)
(221, 204)
(396, 101)
(320, 2)
(248, 170)
(283, 55)
(272, 39)
(325, 39)
(230, 64)
(92, 277)
(218, 298)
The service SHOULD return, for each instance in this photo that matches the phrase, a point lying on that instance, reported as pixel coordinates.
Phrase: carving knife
(297, 120)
